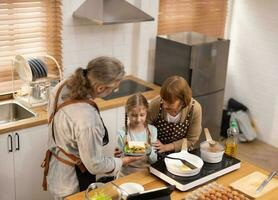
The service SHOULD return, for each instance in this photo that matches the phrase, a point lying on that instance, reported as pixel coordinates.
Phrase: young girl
(137, 131)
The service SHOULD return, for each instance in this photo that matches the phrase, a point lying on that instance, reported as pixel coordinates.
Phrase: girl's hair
(176, 87)
(133, 101)
(101, 70)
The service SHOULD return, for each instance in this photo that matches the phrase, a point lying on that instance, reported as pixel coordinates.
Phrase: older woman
(176, 115)
(77, 133)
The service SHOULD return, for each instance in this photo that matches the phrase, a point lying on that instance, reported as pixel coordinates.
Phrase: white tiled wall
(131, 43)
(253, 63)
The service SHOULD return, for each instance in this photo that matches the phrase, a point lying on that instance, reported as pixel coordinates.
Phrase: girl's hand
(118, 153)
(163, 147)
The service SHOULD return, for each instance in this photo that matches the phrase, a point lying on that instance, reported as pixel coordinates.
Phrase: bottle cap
(234, 124)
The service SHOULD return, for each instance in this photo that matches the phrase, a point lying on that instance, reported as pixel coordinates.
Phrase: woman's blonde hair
(176, 87)
(101, 70)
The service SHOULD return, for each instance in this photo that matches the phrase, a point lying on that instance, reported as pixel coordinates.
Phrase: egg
(212, 197)
(184, 168)
(224, 198)
(201, 197)
(235, 193)
(218, 194)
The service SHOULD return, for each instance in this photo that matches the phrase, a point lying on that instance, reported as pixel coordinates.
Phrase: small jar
(102, 191)
(98, 194)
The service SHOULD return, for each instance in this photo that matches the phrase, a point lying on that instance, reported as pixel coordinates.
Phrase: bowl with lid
(211, 150)
(211, 154)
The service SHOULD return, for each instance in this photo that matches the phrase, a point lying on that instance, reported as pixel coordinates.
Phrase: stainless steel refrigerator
(202, 61)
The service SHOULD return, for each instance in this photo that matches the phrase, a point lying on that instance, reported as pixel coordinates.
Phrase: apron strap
(75, 160)
(56, 102)
(45, 165)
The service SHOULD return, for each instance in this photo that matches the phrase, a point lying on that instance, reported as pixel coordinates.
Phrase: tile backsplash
(132, 43)
(252, 67)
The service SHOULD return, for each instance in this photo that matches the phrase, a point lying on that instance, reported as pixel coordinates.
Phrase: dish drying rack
(37, 82)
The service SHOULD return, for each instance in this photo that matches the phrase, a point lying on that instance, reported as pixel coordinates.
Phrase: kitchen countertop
(150, 181)
(41, 114)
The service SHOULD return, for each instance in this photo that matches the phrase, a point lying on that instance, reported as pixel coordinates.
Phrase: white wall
(253, 63)
(131, 43)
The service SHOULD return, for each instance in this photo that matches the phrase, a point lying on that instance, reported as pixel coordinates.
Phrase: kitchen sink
(128, 87)
(12, 112)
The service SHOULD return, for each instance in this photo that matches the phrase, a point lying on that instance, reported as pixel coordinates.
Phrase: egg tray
(215, 191)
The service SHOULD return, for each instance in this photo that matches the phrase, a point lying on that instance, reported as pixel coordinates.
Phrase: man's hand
(163, 147)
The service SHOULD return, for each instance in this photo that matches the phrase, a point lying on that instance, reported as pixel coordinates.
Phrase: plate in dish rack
(43, 65)
(22, 67)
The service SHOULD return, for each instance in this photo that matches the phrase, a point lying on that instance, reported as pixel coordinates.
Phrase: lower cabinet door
(120, 117)
(30, 145)
(110, 120)
(7, 185)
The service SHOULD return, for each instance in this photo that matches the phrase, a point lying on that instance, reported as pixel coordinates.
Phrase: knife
(265, 182)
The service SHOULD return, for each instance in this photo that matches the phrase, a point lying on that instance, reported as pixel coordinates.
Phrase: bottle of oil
(231, 142)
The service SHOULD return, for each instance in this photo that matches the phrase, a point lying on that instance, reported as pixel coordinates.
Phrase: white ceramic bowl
(175, 166)
(211, 156)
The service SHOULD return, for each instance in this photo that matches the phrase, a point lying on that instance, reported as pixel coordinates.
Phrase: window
(204, 16)
(29, 28)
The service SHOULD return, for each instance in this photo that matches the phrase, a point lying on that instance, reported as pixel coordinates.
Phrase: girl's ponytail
(126, 129)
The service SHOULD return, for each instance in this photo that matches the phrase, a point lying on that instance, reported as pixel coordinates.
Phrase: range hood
(111, 12)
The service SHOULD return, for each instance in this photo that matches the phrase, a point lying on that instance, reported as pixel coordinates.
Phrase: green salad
(101, 196)
(128, 149)
(137, 150)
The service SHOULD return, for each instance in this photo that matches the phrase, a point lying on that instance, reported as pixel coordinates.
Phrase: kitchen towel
(248, 184)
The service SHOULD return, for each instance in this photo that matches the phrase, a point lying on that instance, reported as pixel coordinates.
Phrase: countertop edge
(41, 114)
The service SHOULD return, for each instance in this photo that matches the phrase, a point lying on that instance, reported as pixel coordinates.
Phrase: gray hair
(101, 70)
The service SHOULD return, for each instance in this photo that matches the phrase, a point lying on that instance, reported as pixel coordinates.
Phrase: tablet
(154, 194)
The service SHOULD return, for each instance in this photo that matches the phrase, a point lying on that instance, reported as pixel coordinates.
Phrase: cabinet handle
(17, 146)
(190, 76)
(10, 143)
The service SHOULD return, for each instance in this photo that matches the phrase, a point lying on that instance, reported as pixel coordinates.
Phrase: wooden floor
(260, 154)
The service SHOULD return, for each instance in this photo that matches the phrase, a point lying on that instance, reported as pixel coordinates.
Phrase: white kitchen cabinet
(29, 146)
(120, 117)
(28, 173)
(7, 185)
(110, 120)
(113, 120)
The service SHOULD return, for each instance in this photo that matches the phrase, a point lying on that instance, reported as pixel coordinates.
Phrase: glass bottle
(232, 142)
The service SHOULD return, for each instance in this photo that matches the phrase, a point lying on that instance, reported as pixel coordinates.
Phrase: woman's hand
(118, 153)
(163, 147)
(129, 159)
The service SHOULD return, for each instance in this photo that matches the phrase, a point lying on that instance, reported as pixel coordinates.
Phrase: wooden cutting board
(248, 184)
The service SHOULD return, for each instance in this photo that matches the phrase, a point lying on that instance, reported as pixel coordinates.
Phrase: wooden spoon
(211, 142)
(184, 144)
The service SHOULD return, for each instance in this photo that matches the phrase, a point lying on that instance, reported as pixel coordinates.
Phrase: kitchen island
(150, 181)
